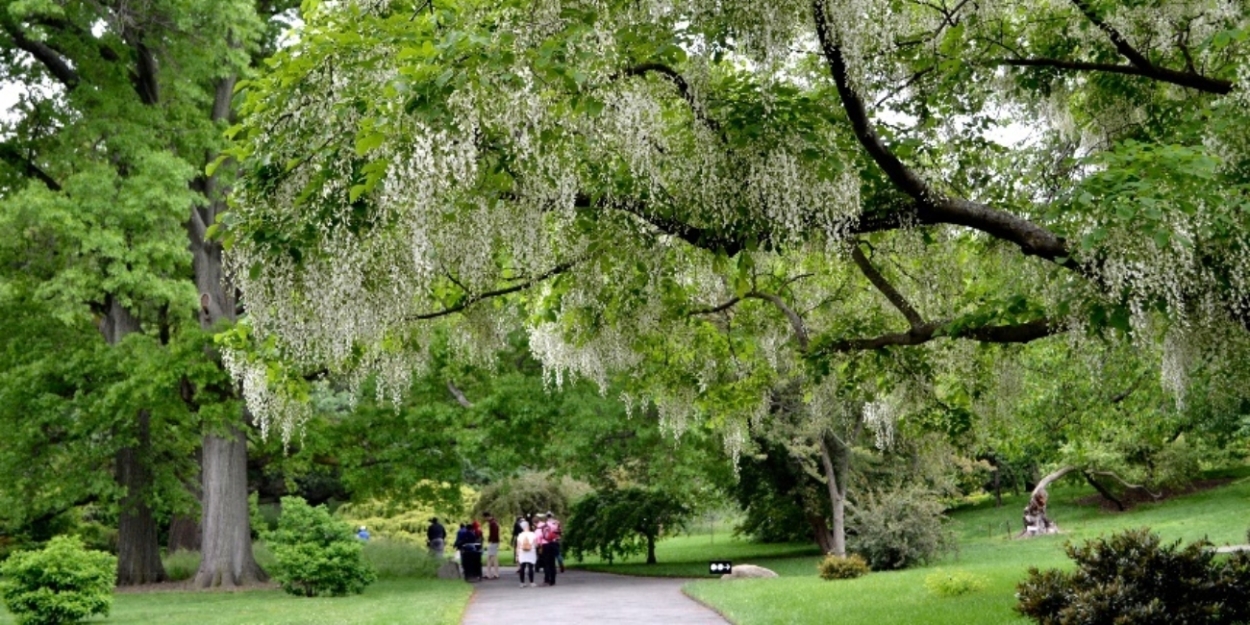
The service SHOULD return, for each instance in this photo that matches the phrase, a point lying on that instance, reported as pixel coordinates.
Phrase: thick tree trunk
(226, 554)
(138, 552)
(1036, 522)
(651, 550)
(138, 547)
(226, 551)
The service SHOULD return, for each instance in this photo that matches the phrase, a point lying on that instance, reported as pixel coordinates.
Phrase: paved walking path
(581, 597)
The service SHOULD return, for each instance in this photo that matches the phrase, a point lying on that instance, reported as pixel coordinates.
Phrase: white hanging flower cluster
(880, 417)
(272, 409)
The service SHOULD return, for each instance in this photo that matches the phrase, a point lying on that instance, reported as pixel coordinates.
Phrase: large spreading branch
(1010, 333)
(49, 58)
(1192, 80)
(932, 206)
(1139, 60)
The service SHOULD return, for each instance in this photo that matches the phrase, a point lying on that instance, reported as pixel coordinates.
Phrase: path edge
(705, 604)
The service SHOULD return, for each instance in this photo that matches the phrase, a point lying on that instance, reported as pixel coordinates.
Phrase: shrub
(532, 492)
(62, 583)
(899, 528)
(954, 583)
(181, 565)
(1132, 578)
(407, 522)
(838, 567)
(316, 553)
(394, 559)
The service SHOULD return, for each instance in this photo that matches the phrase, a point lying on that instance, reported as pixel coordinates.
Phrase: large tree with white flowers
(721, 199)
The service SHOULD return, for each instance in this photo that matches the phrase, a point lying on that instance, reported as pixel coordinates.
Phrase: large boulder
(748, 571)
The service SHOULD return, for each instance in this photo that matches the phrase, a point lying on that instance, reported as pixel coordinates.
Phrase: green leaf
(369, 142)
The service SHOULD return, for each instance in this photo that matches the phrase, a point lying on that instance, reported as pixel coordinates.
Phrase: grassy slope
(423, 601)
(1221, 515)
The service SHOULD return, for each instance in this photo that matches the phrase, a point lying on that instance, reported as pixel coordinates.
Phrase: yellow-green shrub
(953, 583)
(838, 567)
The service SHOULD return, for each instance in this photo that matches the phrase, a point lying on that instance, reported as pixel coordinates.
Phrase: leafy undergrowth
(985, 551)
(426, 601)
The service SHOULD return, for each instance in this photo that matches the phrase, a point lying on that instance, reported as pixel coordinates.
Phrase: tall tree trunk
(184, 529)
(226, 553)
(138, 550)
(835, 458)
(138, 547)
(651, 549)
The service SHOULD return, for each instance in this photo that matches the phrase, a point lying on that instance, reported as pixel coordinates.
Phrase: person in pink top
(549, 538)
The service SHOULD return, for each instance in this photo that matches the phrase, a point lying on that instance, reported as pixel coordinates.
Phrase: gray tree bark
(226, 549)
(835, 458)
(138, 548)
(226, 542)
(1036, 522)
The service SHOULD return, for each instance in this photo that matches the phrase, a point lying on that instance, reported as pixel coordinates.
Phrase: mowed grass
(688, 556)
(418, 601)
(1221, 515)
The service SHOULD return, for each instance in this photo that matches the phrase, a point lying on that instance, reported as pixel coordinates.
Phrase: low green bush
(838, 567)
(1131, 577)
(317, 554)
(953, 583)
(899, 528)
(181, 565)
(62, 583)
(396, 559)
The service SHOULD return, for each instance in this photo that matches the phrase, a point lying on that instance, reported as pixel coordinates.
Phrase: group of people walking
(535, 545)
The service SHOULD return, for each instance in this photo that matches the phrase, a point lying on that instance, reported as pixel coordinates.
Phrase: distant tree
(618, 523)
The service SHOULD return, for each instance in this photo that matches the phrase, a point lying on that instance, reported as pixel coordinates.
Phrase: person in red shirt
(492, 547)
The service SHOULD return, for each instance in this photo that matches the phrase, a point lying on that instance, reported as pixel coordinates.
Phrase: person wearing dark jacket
(435, 538)
(464, 536)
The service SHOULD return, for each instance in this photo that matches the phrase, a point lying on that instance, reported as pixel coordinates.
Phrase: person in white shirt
(526, 553)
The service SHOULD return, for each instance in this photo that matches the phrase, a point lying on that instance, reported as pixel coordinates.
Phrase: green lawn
(687, 556)
(1222, 515)
(421, 601)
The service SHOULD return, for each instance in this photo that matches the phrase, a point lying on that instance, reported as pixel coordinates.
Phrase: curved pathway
(583, 597)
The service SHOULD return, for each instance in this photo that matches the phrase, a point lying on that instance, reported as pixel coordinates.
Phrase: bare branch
(683, 88)
(715, 309)
(796, 322)
(1183, 79)
(473, 299)
(913, 318)
(13, 156)
(459, 395)
(1012, 333)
